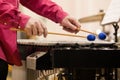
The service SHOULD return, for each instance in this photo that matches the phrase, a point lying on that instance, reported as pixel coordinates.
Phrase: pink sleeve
(45, 8)
(10, 16)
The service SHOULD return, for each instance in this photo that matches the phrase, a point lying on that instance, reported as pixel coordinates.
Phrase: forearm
(46, 8)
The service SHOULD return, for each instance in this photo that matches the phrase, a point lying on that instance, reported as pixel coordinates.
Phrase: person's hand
(35, 27)
(70, 24)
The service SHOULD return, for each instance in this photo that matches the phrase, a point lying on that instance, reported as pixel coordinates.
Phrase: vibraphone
(74, 58)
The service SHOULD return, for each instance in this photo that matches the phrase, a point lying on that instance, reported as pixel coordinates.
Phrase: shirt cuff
(23, 20)
(60, 16)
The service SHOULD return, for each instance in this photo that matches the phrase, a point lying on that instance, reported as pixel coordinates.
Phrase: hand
(70, 24)
(35, 27)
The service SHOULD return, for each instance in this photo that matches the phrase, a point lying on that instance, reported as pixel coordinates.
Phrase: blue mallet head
(102, 36)
(91, 37)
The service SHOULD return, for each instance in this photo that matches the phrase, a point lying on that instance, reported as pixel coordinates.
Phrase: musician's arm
(45, 8)
(11, 16)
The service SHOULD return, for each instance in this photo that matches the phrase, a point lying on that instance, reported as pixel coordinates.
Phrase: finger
(75, 23)
(72, 26)
(45, 32)
(28, 31)
(39, 29)
(68, 29)
(34, 29)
